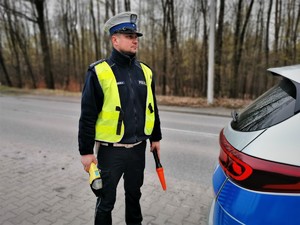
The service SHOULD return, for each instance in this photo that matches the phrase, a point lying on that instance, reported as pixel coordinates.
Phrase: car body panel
(290, 72)
(237, 205)
(220, 217)
(266, 147)
(239, 140)
(218, 179)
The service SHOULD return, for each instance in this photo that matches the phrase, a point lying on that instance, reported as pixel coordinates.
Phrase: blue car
(257, 179)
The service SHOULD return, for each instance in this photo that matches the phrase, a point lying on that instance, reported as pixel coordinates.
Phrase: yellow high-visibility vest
(110, 124)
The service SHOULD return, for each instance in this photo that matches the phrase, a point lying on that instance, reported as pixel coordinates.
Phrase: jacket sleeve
(156, 133)
(91, 104)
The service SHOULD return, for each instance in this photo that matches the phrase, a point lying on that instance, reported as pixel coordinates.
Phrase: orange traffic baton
(159, 170)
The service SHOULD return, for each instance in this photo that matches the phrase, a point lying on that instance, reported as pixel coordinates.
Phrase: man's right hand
(86, 161)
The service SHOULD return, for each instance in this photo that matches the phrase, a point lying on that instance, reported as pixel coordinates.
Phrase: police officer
(119, 112)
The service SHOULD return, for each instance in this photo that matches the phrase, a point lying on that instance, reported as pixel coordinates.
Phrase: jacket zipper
(133, 100)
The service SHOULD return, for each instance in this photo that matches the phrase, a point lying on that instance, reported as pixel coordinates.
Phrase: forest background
(49, 44)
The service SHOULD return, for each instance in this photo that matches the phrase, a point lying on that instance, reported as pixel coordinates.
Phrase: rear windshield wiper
(234, 115)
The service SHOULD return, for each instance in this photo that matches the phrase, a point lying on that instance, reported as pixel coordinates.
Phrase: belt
(120, 144)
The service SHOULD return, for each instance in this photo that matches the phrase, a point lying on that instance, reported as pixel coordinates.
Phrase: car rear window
(273, 107)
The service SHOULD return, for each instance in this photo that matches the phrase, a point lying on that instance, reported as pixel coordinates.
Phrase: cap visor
(129, 32)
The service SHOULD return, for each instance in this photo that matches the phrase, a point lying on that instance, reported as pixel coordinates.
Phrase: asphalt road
(189, 148)
(190, 145)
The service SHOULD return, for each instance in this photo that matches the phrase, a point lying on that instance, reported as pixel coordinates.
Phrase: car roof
(290, 72)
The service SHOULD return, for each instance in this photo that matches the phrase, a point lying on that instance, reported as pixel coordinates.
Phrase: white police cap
(124, 22)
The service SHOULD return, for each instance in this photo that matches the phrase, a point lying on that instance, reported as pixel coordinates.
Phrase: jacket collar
(122, 59)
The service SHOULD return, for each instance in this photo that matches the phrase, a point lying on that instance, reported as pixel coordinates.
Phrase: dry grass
(162, 100)
(202, 102)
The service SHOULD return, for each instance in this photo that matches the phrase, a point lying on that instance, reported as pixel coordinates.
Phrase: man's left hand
(155, 145)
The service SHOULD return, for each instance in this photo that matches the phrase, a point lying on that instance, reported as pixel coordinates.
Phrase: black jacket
(133, 92)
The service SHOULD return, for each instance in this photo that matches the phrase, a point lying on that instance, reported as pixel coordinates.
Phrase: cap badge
(133, 18)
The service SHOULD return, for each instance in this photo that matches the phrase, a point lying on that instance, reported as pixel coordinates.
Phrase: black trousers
(115, 162)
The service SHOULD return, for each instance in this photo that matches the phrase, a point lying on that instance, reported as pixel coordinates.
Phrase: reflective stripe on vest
(149, 123)
(110, 124)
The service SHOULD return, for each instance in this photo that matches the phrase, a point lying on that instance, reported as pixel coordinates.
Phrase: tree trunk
(13, 43)
(238, 46)
(219, 50)
(295, 36)
(3, 66)
(24, 49)
(267, 33)
(165, 53)
(255, 81)
(127, 5)
(65, 15)
(194, 49)
(174, 47)
(105, 35)
(96, 42)
(204, 56)
(267, 49)
(39, 5)
(277, 26)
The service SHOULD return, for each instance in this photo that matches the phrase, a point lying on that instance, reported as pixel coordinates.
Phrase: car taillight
(257, 174)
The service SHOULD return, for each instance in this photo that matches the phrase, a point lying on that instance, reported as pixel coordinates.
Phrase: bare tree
(21, 34)
(289, 29)
(277, 26)
(219, 47)
(66, 23)
(239, 35)
(295, 36)
(165, 45)
(96, 41)
(39, 6)
(6, 78)
(175, 52)
(38, 17)
(127, 5)
(204, 56)
(256, 82)
(112, 5)
(12, 40)
(267, 50)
